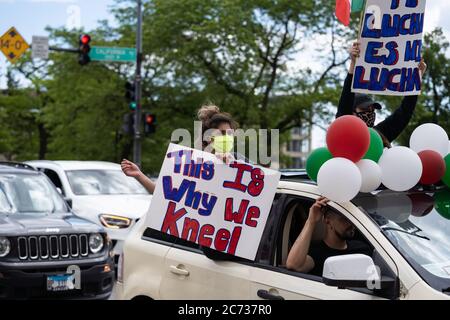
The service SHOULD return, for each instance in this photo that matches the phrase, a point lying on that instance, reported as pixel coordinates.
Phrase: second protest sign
(391, 43)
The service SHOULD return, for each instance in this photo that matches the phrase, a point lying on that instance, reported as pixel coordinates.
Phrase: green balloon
(446, 178)
(315, 160)
(442, 203)
(376, 146)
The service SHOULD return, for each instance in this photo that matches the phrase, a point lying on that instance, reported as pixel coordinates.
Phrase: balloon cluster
(355, 161)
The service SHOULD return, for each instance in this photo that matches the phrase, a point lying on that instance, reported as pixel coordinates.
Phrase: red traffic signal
(84, 49)
(85, 39)
(149, 123)
(149, 118)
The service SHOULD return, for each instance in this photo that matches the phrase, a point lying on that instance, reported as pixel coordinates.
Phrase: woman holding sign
(218, 138)
(362, 106)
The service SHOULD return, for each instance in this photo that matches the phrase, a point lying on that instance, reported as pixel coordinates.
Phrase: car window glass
(5, 204)
(30, 193)
(53, 176)
(96, 182)
(295, 215)
(417, 223)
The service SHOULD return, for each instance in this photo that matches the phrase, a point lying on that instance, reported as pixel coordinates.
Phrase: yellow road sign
(13, 45)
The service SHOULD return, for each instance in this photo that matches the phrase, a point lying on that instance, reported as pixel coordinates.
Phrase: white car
(408, 232)
(100, 192)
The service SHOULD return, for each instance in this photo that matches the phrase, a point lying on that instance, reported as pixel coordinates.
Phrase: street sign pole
(138, 85)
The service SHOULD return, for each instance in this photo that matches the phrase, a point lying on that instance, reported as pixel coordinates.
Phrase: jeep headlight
(96, 242)
(114, 222)
(5, 247)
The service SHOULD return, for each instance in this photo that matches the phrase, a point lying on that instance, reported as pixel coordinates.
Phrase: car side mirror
(351, 271)
(68, 201)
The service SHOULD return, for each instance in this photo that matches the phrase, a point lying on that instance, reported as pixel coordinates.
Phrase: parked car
(101, 193)
(46, 251)
(409, 237)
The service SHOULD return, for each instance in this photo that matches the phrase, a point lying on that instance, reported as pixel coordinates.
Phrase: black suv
(46, 251)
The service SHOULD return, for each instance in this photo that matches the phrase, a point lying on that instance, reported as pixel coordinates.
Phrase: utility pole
(138, 86)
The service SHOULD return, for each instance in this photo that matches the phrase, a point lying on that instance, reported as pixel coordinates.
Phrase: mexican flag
(345, 7)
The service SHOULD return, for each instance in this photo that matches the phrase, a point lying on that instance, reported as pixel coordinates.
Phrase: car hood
(130, 206)
(33, 224)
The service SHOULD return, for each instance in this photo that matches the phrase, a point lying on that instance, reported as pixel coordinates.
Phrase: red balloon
(348, 137)
(433, 167)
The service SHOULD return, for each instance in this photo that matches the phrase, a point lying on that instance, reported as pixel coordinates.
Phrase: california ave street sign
(13, 45)
(116, 54)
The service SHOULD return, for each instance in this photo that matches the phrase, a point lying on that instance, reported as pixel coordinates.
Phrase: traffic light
(84, 49)
(128, 124)
(149, 123)
(130, 95)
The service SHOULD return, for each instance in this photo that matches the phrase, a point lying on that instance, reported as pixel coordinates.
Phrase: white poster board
(200, 199)
(391, 43)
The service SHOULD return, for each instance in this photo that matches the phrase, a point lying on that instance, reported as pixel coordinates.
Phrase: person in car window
(132, 170)
(337, 240)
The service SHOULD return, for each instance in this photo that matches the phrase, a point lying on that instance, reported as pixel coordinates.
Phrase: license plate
(60, 282)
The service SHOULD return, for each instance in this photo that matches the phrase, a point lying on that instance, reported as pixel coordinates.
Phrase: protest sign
(221, 206)
(391, 43)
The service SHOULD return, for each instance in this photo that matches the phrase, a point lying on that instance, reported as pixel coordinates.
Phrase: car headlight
(5, 247)
(114, 222)
(96, 242)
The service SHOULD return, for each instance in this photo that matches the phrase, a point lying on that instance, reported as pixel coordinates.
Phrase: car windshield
(102, 182)
(418, 225)
(29, 193)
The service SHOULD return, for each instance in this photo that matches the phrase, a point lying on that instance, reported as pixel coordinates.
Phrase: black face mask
(368, 117)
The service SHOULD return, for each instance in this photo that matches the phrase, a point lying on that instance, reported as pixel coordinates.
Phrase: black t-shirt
(321, 252)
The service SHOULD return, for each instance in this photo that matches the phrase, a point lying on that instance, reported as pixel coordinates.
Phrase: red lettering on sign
(206, 230)
(222, 238)
(171, 218)
(190, 226)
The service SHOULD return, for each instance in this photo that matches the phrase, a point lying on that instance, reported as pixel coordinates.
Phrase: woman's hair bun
(207, 111)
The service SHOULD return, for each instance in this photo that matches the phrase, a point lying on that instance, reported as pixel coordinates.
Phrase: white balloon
(430, 136)
(394, 206)
(448, 146)
(339, 180)
(370, 174)
(401, 168)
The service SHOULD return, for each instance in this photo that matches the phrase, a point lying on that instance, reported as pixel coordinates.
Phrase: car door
(190, 274)
(281, 284)
(271, 281)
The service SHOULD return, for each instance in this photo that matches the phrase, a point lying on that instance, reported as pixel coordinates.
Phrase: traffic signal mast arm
(83, 50)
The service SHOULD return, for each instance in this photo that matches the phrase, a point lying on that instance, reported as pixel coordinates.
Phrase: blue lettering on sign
(372, 53)
(382, 79)
(368, 32)
(413, 51)
(395, 25)
(409, 4)
(193, 197)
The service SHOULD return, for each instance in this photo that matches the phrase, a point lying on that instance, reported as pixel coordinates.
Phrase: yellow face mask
(223, 143)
